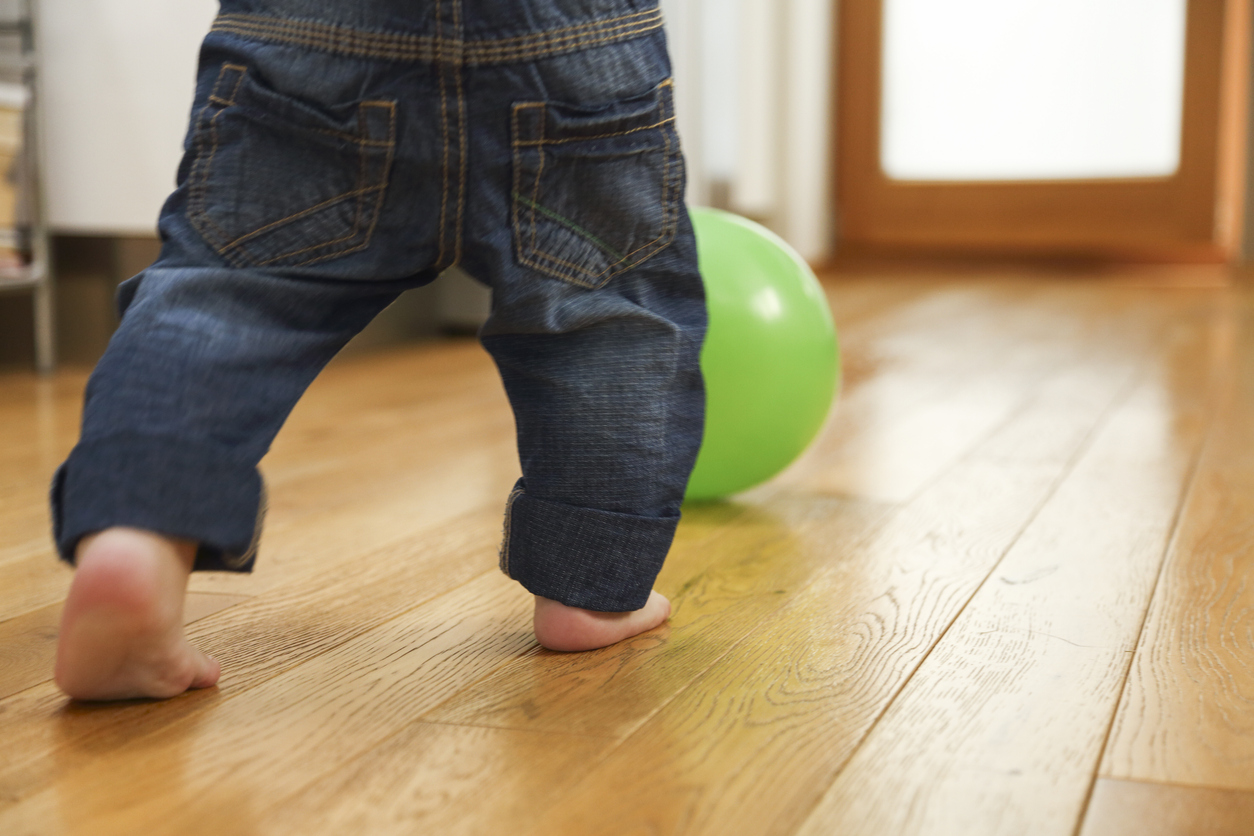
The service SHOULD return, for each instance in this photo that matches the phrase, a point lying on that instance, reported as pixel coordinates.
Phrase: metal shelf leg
(45, 328)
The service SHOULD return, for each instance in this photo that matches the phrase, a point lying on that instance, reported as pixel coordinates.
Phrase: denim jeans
(342, 151)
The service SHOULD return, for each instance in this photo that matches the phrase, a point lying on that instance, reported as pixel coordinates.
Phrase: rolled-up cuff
(582, 557)
(164, 485)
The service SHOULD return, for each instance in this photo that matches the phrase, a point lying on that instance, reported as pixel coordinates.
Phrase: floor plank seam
(228, 694)
(1064, 472)
(1191, 481)
(1183, 785)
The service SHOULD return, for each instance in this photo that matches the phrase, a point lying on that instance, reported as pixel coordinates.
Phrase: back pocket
(596, 190)
(278, 182)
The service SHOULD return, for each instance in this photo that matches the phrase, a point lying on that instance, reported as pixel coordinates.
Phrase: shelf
(19, 278)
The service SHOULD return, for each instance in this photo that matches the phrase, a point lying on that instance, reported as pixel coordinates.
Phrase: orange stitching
(518, 239)
(204, 165)
(484, 56)
(586, 25)
(360, 190)
(461, 132)
(379, 190)
(326, 31)
(544, 42)
(265, 21)
(202, 200)
(363, 127)
(331, 44)
(387, 179)
(243, 71)
(547, 39)
(439, 27)
(667, 228)
(339, 198)
(545, 50)
(329, 30)
(535, 190)
(353, 138)
(234, 249)
(565, 140)
(390, 46)
(669, 223)
(666, 184)
(411, 42)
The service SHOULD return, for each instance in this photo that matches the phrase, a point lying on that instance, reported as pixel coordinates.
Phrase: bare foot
(559, 627)
(122, 628)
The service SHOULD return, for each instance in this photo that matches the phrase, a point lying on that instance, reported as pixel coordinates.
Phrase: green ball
(771, 362)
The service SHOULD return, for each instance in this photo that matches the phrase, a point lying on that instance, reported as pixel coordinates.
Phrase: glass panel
(1032, 89)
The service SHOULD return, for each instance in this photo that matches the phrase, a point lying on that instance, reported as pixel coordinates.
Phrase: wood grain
(721, 590)
(1187, 713)
(432, 778)
(28, 643)
(1133, 808)
(751, 744)
(777, 552)
(878, 638)
(271, 741)
(1001, 727)
(255, 641)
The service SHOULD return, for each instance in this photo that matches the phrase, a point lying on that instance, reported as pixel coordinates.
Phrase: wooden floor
(1010, 590)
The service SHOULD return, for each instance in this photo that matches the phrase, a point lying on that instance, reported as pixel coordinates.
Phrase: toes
(207, 673)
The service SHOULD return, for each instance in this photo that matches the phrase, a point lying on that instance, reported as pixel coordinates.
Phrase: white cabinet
(118, 78)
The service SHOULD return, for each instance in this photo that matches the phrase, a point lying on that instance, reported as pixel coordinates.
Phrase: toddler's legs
(201, 374)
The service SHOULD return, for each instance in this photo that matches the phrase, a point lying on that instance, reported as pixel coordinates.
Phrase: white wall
(754, 89)
(116, 87)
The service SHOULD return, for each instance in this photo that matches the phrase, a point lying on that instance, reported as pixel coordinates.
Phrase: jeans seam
(509, 512)
(535, 257)
(461, 132)
(444, 157)
(379, 192)
(489, 55)
(360, 193)
(264, 21)
(395, 46)
(655, 125)
(233, 249)
(199, 189)
(250, 553)
(535, 191)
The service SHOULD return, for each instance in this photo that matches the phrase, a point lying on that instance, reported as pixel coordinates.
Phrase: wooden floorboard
(1187, 713)
(923, 626)
(28, 643)
(753, 743)
(1001, 728)
(1133, 808)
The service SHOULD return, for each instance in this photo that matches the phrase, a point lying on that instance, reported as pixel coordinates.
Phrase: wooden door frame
(1193, 215)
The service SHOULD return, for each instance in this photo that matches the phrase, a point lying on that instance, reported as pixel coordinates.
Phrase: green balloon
(771, 362)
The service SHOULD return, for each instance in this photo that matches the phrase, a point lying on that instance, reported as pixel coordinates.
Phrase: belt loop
(227, 85)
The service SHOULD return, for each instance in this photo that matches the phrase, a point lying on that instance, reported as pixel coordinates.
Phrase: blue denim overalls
(342, 152)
